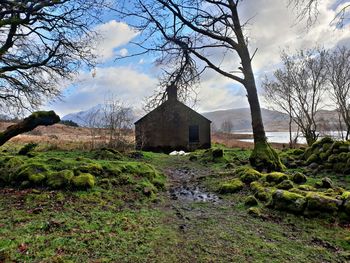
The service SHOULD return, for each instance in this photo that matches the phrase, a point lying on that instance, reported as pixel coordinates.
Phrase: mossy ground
(117, 221)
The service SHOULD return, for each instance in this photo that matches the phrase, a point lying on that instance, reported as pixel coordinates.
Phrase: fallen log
(34, 120)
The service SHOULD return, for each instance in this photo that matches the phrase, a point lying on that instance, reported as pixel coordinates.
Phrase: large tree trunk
(263, 157)
(31, 122)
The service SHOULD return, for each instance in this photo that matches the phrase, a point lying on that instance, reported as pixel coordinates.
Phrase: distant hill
(83, 118)
(273, 120)
(241, 119)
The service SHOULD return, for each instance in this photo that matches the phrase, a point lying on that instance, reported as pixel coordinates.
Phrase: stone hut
(172, 126)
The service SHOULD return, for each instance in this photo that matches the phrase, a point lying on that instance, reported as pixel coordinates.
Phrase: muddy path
(185, 185)
(214, 228)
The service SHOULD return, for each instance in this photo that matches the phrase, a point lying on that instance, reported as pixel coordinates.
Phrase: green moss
(305, 187)
(247, 174)
(59, 179)
(285, 185)
(148, 189)
(264, 157)
(260, 192)
(276, 177)
(251, 201)
(307, 153)
(107, 154)
(346, 202)
(231, 186)
(333, 158)
(83, 181)
(324, 156)
(288, 201)
(28, 169)
(298, 178)
(314, 158)
(92, 168)
(37, 179)
(27, 148)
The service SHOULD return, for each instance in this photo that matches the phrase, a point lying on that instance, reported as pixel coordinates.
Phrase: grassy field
(129, 215)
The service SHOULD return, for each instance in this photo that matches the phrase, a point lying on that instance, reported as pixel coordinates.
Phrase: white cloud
(123, 83)
(112, 35)
(123, 52)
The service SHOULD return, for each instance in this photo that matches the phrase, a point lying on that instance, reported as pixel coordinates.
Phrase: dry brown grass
(63, 137)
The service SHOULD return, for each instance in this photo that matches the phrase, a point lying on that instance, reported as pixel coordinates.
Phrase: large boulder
(320, 204)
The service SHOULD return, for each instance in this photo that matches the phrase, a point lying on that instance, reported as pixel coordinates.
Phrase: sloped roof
(165, 104)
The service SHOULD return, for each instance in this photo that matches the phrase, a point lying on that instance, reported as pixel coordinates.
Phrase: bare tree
(227, 126)
(41, 43)
(93, 121)
(309, 10)
(338, 68)
(193, 36)
(117, 119)
(278, 93)
(298, 89)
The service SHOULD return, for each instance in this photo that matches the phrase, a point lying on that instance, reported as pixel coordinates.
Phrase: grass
(122, 223)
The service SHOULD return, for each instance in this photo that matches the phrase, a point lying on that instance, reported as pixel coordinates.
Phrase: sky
(273, 28)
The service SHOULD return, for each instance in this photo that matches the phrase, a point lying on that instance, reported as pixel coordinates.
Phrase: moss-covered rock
(26, 170)
(306, 187)
(107, 154)
(247, 174)
(288, 201)
(285, 185)
(321, 204)
(260, 192)
(251, 201)
(231, 186)
(61, 179)
(83, 181)
(314, 158)
(298, 178)
(276, 177)
(327, 182)
(92, 168)
(37, 179)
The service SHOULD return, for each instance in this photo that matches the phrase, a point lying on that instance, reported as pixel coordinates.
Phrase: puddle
(194, 194)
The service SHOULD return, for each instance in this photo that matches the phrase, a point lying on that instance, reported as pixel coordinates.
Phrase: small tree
(117, 119)
(298, 89)
(227, 126)
(338, 75)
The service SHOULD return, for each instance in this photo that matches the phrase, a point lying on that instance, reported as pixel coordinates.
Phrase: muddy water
(192, 194)
(185, 186)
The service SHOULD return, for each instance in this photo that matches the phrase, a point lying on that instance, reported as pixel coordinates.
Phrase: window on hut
(194, 133)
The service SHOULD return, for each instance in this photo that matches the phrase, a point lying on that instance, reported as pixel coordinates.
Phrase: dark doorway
(194, 133)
